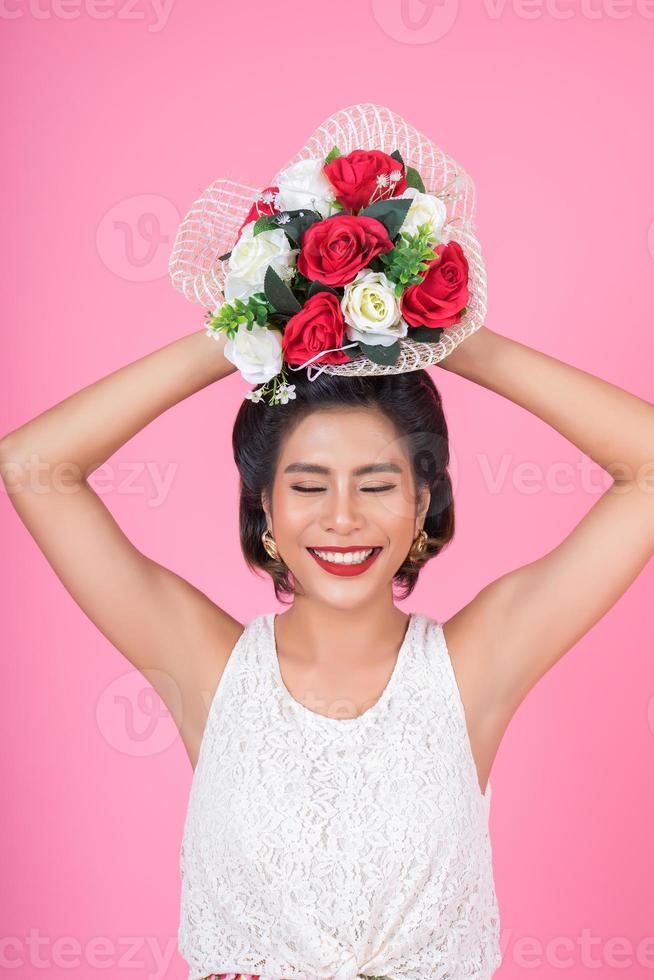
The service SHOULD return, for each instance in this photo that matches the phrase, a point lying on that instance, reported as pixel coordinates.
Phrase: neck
(316, 632)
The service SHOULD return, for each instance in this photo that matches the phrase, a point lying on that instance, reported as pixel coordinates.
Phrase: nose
(340, 511)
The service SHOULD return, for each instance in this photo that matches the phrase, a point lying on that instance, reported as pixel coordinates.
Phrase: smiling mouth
(346, 556)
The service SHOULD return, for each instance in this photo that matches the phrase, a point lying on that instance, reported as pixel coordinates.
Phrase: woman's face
(344, 480)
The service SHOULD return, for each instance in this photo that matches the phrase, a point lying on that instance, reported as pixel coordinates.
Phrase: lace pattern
(316, 847)
(253, 976)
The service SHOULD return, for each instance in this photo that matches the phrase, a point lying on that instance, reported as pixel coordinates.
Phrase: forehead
(344, 438)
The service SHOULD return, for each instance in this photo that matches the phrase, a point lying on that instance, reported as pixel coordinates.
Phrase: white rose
(426, 208)
(372, 310)
(257, 352)
(250, 258)
(304, 185)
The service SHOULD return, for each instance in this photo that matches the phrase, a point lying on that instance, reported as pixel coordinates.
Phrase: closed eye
(386, 486)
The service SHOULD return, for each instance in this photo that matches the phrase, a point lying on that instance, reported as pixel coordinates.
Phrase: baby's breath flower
(254, 395)
(277, 388)
(284, 393)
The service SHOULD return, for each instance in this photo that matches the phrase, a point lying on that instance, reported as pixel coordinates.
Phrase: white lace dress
(317, 847)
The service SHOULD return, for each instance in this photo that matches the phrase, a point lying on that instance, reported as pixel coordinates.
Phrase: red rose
(354, 177)
(318, 326)
(335, 249)
(260, 208)
(438, 300)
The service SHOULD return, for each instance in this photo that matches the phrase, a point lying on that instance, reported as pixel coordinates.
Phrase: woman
(338, 469)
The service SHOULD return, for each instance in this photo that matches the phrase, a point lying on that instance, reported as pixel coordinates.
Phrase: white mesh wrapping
(209, 229)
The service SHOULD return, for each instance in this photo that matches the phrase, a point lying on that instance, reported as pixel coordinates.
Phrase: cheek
(293, 512)
(395, 511)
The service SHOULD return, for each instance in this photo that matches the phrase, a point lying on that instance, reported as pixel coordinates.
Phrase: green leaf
(300, 282)
(278, 320)
(414, 179)
(279, 294)
(353, 351)
(333, 153)
(230, 316)
(429, 335)
(397, 156)
(300, 220)
(391, 213)
(320, 287)
(406, 261)
(376, 264)
(263, 224)
(379, 354)
(223, 258)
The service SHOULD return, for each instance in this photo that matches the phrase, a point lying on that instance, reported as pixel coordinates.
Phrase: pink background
(122, 112)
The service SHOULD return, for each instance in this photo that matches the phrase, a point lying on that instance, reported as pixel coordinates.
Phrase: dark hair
(410, 400)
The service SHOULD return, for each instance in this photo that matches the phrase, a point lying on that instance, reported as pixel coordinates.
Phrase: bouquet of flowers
(344, 256)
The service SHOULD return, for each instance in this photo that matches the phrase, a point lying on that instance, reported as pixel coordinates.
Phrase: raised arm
(154, 617)
(528, 618)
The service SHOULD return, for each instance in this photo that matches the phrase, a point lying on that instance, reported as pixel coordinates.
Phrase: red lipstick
(342, 568)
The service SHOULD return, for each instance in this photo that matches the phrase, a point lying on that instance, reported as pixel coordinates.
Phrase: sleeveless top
(317, 847)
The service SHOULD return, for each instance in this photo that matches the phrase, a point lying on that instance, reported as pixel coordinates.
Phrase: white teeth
(347, 558)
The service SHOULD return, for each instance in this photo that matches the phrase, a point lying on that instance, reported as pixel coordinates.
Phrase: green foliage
(263, 224)
(376, 264)
(292, 223)
(316, 286)
(278, 294)
(428, 335)
(390, 212)
(333, 153)
(414, 179)
(299, 220)
(380, 354)
(408, 260)
(230, 315)
(300, 282)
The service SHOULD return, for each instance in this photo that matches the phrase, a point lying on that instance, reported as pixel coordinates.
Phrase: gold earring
(418, 547)
(270, 545)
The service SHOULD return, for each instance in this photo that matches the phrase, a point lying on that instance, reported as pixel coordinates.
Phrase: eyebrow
(359, 471)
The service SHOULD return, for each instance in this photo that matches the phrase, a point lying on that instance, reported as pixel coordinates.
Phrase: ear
(265, 503)
(423, 506)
